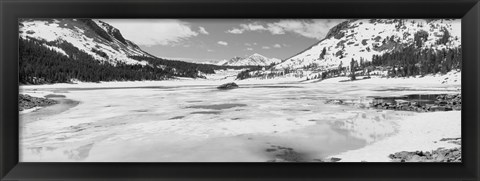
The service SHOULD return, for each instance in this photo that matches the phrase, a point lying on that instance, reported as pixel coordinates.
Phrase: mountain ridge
(98, 39)
(364, 38)
(255, 59)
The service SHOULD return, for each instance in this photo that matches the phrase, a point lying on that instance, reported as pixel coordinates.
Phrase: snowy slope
(96, 38)
(221, 62)
(252, 60)
(364, 38)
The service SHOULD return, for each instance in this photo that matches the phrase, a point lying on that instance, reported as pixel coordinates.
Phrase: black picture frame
(11, 10)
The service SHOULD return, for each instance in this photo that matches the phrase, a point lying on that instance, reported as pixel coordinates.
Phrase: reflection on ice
(206, 112)
(217, 106)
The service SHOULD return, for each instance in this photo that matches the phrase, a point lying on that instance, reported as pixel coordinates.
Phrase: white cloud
(253, 27)
(202, 30)
(250, 49)
(248, 44)
(276, 30)
(247, 27)
(235, 31)
(151, 32)
(222, 43)
(311, 28)
(210, 50)
(265, 47)
(277, 46)
(315, 28)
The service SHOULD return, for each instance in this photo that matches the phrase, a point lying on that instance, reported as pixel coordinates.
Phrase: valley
(118, 103)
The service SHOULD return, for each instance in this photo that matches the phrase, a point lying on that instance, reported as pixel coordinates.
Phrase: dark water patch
(177, 117)
(270, 149)
(61, 106)
(62, 138)
(272, 86)
(60, 91)
(193, 101)
(414, 89)
(140, 110)
(313, 98)
(217, 106)
(206, 112)
(236, 118)
(55, 96)
(420, 99)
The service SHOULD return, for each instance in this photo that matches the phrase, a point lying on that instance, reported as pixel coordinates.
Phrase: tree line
(39, 64)
(411, 61)
(407, 62)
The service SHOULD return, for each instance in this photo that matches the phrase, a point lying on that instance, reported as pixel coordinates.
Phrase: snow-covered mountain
(221, 62)
(98, 39)
(363, 38)
(252, 60)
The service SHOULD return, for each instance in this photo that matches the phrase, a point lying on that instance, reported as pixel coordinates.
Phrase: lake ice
(199, 123)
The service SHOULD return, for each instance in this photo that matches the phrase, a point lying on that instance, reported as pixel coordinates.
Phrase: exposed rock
(334, 101)
(285, 154)
(28, 102)
(443, 103)
(226, 86)
(334, 159)
(439, 155)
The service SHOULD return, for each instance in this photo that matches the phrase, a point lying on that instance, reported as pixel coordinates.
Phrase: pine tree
(352, 70)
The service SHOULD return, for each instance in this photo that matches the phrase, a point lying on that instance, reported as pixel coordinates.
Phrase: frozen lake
(199, 123)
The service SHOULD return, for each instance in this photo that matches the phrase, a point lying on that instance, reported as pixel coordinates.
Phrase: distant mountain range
(252, 60)
(61, 50)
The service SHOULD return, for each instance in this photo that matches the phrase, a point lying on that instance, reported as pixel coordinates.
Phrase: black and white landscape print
(240, 90)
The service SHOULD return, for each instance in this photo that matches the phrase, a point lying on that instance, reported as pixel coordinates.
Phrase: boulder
(227, 86)
(334, 159)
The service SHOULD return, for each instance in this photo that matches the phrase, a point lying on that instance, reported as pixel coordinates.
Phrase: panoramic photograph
(240, 90)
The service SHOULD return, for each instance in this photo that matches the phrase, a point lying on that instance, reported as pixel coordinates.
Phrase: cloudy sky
(203, 40)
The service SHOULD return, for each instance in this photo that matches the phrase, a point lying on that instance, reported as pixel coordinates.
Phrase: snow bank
(421, 132)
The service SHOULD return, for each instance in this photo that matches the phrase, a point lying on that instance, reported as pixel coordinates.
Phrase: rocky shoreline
(27, 102)
(443, 103)
(438, 155)
(446, 102)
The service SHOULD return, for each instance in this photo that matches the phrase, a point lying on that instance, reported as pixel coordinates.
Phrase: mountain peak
(253, 60)
(98, 39)
(257, 54)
